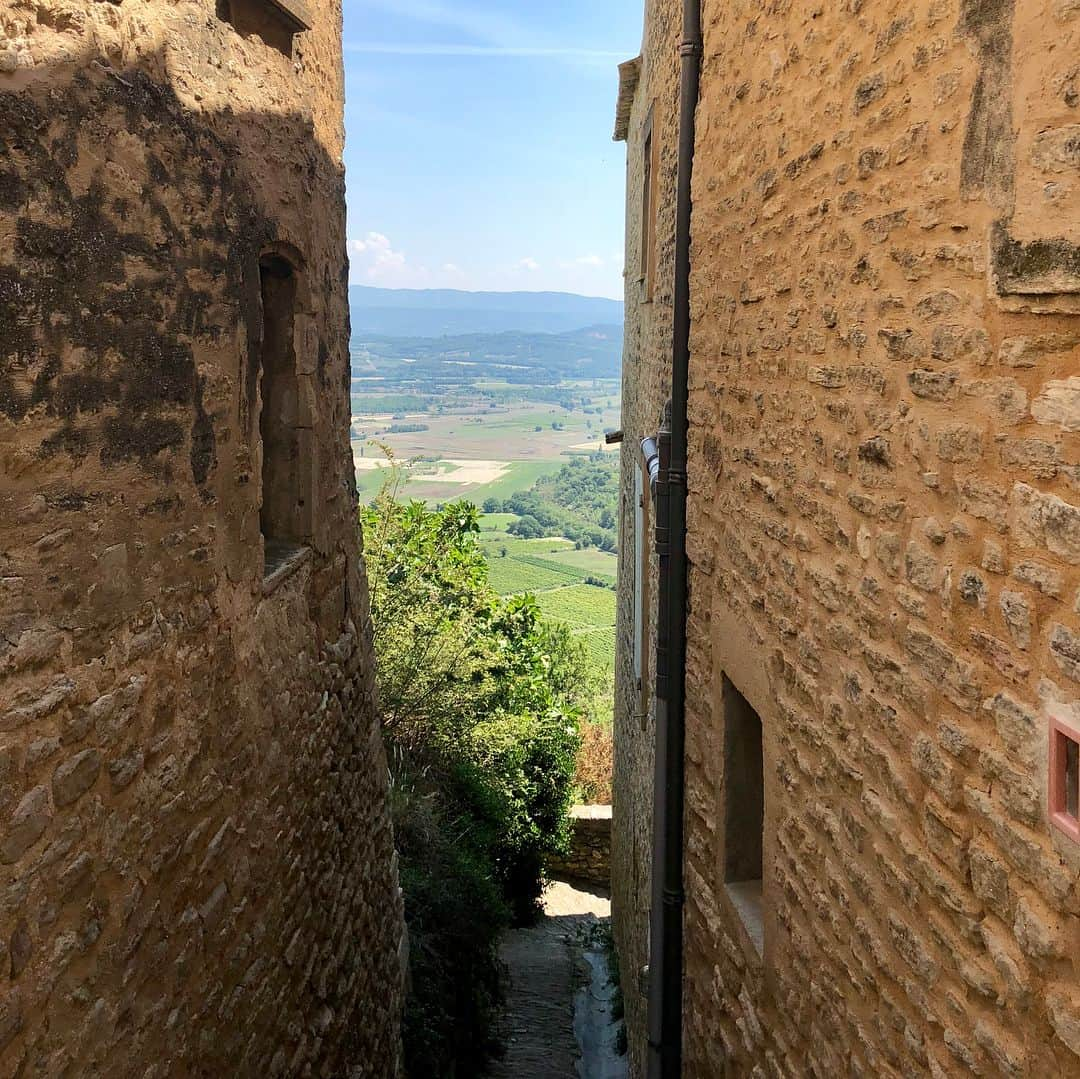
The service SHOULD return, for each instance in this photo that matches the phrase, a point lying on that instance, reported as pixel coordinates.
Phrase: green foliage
(578, 502)
(455, 915)
(527, 527)
(481, 699)
(423, 365)
(407, 428)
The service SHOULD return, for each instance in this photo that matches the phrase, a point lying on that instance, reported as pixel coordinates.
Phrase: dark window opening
(282, 515)
(1064, 766)
(275, 21)
(744, 810)
(648, 211)
(1072, 778)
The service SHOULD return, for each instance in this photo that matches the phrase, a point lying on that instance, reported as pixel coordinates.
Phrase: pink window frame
(1061, 731)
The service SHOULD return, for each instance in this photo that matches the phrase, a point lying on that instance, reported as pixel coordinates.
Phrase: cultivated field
(478, 449)
(556, 574)
(477, 452)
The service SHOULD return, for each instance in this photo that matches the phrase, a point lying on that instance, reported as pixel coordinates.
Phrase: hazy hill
(446, 312)
(512, 356)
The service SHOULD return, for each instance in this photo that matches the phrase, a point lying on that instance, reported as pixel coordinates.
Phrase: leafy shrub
(480, 700)
(527, 527)
(455, 915)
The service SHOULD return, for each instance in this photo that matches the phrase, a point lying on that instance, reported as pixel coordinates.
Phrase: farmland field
(503, 419)
(509, 576)
(473, 447)
(555, 572)
(497, 522)
(589, 561)
(581, 606)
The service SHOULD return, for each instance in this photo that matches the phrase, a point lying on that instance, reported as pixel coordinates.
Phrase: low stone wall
(589, 859)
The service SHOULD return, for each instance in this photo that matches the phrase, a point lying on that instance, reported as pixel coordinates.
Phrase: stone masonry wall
(884, 533)
(589, 856)
(197, 863)
(646, 382)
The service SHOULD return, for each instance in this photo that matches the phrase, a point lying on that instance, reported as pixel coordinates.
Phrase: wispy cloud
(482, 33)
(556, 52)
(488, 27)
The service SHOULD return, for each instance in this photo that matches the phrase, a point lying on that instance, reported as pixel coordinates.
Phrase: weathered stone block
(922, 569)
(75, 776)
(1045, 578)
(1044, 520)
(1059, 404)
(1017, 614)
(1063, 1006)
(1065, 650)
(1038, 929)
(32, 706)
(1028, 351)
(27, 825)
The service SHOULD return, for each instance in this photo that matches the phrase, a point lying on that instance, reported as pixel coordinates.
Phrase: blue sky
(479, 150)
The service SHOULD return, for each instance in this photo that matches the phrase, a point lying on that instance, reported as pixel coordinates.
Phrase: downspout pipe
(666, 929)
(650, 454)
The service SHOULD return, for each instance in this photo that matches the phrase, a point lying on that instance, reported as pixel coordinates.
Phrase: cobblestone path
(546, 971)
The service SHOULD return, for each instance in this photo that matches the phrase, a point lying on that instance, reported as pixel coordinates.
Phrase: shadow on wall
(131, 308)
(165, 788)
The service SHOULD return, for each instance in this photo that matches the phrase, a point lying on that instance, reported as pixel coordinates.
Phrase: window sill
(283, 559)
(295, 13)
(746, 898)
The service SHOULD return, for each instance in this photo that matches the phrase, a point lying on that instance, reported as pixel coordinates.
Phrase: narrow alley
(560, 1018)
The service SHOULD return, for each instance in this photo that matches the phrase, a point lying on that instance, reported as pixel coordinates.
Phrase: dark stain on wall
(1039, 267)
(203, 440)
(988, 165)
(244, 267)
(98, 320)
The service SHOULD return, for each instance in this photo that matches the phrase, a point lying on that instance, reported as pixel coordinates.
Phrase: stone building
(883, 631)
(197, 863)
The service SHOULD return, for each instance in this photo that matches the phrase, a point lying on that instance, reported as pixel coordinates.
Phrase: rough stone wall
(589, 857)
(884, 534)
(646, 382)
(197, 863)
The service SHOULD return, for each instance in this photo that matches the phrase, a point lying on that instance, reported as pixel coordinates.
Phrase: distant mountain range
(511, 357)
(446, 312)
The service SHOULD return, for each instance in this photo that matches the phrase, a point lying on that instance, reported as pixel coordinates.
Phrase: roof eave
(629, 76)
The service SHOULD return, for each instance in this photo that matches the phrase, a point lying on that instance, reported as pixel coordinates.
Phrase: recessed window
(1065, 777)
(744, 811)
(648, 210)
(277, 22)
(282, 518)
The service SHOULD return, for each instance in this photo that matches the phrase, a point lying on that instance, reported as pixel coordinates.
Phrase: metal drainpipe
(666, 929)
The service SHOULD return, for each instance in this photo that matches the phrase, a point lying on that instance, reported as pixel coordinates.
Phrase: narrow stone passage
(551, 967)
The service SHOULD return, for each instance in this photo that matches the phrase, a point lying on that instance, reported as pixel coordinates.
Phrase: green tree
(527, 527)
(481, 700)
